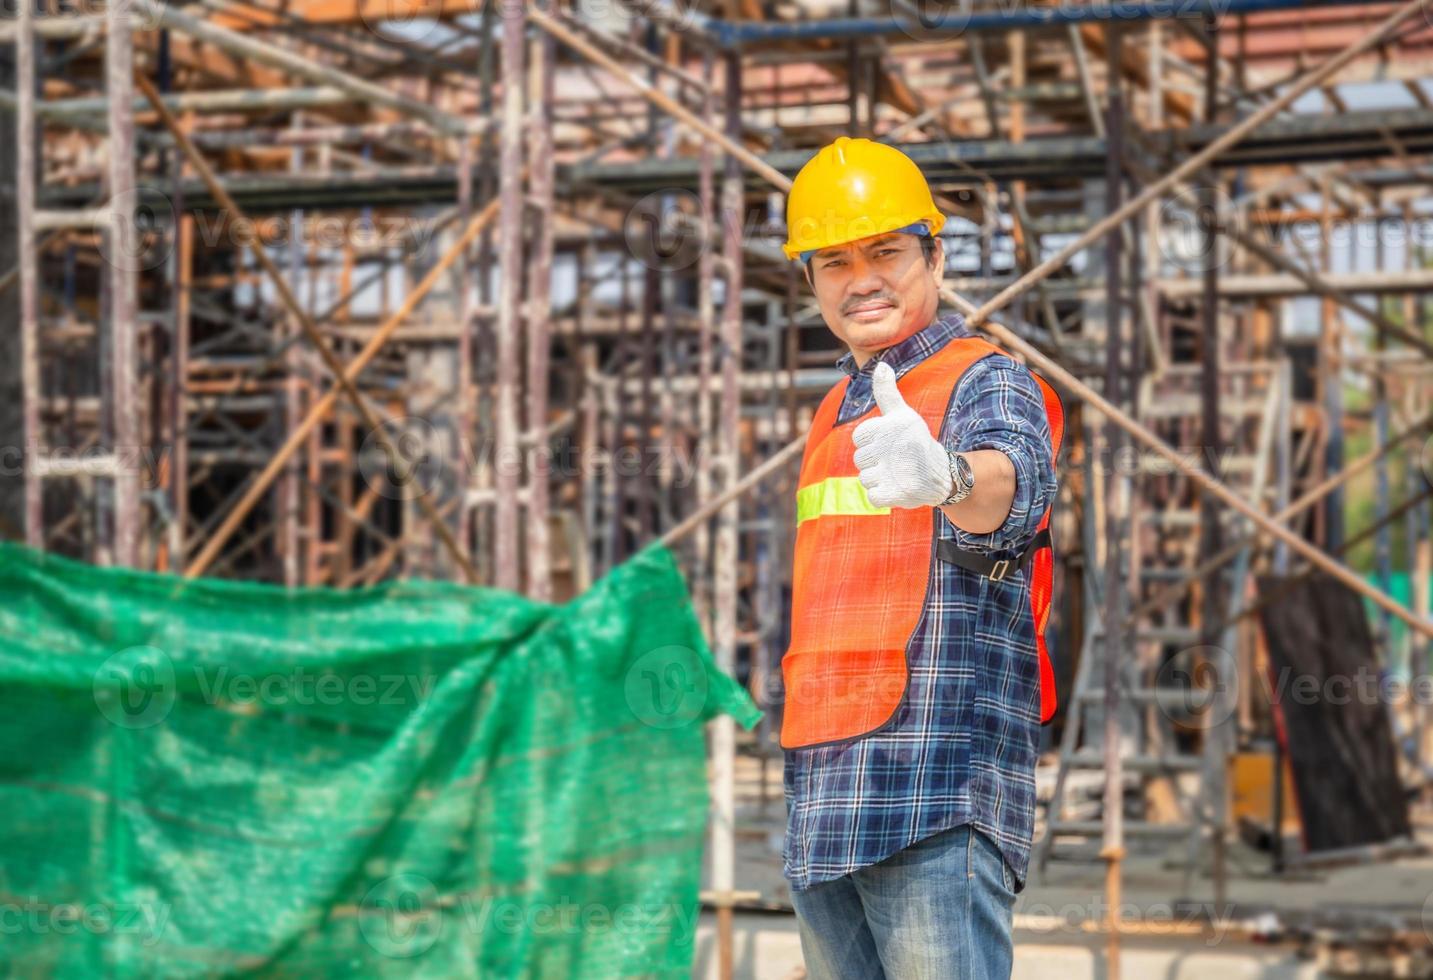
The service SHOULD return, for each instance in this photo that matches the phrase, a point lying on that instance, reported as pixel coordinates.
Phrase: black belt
(995, 569)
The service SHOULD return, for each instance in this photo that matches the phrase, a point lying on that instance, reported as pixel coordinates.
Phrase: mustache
(856, 301)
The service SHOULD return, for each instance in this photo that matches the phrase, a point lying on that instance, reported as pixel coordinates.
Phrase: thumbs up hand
(900, 462)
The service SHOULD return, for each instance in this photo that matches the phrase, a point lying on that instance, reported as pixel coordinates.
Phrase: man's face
(877, 291)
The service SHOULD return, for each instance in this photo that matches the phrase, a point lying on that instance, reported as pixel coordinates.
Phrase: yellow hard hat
(853, 189)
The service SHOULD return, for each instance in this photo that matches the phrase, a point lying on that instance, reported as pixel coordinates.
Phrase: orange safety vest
(862, 573)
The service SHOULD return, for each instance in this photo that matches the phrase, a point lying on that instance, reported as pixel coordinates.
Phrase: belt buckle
(1001, 569)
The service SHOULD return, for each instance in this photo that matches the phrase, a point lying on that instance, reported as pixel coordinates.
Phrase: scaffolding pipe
(706, 318)
(723, 862)
(91, 108)
(507, 461)
(28, 268)
(539, 313)
(123, 234)
(960, 20)
(1210, 536)
(1117, 506)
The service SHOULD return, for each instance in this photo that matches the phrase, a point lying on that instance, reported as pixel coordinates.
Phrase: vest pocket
(833, 696)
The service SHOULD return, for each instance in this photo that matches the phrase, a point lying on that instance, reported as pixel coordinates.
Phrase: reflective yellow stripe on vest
(834, 495)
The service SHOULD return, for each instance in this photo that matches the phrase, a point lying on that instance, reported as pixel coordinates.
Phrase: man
(916, 679)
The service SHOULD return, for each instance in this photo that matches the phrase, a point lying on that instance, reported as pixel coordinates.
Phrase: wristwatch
(962, 479)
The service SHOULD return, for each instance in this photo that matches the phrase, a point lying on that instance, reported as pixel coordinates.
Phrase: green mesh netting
(421, 779)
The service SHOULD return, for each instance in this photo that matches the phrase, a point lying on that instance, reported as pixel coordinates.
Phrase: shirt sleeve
(998, 405)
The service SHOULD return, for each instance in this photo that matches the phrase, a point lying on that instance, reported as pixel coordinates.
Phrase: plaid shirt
(962, 747)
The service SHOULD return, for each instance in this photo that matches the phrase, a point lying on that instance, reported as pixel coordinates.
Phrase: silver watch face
(962, 478)
(967, 475)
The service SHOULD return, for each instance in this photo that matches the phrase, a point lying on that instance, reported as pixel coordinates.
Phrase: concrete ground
(1300, 920)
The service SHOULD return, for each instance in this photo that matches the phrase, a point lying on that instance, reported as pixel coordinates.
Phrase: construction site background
(336, 295)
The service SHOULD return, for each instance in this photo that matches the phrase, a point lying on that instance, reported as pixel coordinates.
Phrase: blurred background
(335, 293)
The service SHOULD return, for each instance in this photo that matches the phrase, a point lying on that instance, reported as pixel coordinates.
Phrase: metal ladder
(1150, 692)
(113, 219)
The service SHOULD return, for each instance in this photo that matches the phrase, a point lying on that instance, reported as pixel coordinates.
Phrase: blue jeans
(938, 910)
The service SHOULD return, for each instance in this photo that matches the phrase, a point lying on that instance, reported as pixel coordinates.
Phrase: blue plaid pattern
(962, 747)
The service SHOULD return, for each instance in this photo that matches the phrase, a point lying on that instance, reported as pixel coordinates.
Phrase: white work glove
(901, 463)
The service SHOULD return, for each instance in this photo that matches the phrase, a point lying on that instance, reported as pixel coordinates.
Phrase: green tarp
(212, 778)
(1403, 661)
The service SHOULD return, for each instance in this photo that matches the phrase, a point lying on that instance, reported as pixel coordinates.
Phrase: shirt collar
(907, 353)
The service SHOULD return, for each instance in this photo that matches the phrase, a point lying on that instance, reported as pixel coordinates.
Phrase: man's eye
(832, 263)
(888, 251)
